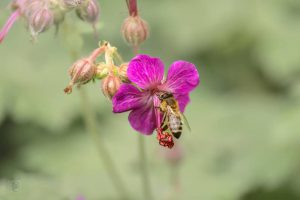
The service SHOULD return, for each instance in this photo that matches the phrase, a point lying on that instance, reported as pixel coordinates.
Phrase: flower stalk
(144, 169)
(8, 25)
(132, 7)
(91, 126)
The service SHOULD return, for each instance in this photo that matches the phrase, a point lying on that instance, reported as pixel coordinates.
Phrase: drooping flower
(84, 69)
(89, 12)
(147, 73)
(40, 21)
(87, 69)
(40, 15)
(81, 72)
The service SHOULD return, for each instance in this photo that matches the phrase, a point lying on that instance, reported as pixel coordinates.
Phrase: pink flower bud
(90, 12)
(135, 30)
(110, 85)
(30, 7)
(81, 72)
(122, 71)
(40, 20)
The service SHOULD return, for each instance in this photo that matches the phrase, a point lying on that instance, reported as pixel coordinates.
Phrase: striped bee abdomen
(175, 125)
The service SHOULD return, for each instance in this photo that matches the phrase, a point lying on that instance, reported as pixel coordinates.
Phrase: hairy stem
(144, 169)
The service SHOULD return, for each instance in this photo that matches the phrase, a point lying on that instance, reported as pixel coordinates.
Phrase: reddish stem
(132, 7)
(96, 53)
(9, 23)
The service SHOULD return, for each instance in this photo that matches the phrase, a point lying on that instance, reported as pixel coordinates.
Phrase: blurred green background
(245, 116)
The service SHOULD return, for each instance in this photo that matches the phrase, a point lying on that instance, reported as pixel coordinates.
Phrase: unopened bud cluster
(40, 15)
(86, 69)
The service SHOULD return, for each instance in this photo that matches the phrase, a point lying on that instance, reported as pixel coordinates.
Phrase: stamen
(165, 139)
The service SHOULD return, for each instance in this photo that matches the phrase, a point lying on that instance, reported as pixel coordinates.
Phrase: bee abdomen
(175, 125)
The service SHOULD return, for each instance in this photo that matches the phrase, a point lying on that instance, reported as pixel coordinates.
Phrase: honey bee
(172, 117)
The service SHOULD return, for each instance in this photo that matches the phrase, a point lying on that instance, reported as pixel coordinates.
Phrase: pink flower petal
(143, 119)
(127, 98)
(145, 71)
(182, 77)
(183, 100)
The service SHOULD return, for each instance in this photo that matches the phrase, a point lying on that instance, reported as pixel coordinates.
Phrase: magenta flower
(148, 74)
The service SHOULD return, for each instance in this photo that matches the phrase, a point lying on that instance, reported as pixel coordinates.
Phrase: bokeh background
(245, 116)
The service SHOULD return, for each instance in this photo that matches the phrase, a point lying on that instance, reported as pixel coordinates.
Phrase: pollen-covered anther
(135, 30)
(81, 72)
(110, 85)
(165, 139)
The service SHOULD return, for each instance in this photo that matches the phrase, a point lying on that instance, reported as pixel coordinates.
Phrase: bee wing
(164, 119)
(185, 121)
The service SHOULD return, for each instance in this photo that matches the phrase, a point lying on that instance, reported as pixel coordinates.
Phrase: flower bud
(135, 30)
(81, 72)
(110, 85)
(122, 71)
(102, 70)
(40, 20)
(73, 3)
(90, 12)
(30, 7)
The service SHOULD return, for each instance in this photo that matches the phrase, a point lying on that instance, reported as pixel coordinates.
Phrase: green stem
(90, 122)
(144, 169)
(175, 181)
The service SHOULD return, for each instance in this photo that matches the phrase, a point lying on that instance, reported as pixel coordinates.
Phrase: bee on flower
(156, 103)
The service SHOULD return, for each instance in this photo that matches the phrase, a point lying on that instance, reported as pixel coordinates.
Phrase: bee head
(164, 95)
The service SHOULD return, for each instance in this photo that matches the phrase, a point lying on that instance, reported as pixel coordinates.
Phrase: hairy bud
(31, 7)
(40, 20)
(122, 71)
(81, 72)
(135, 30)
(89, 12)
(110, 85)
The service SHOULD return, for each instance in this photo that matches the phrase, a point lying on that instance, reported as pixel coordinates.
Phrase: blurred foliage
(244, 117)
